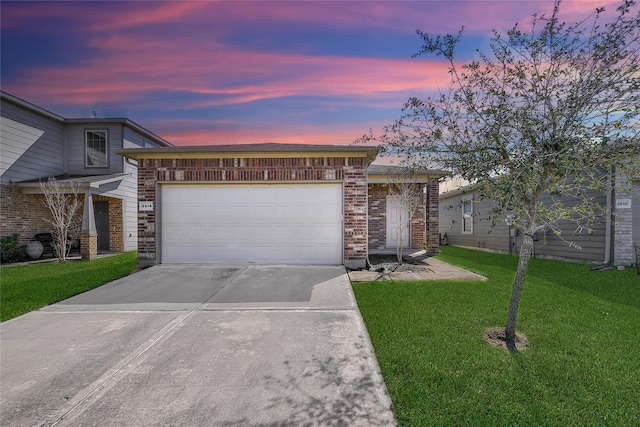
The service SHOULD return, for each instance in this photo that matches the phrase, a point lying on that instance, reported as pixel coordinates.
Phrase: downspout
(608, 222)
(426, 216)
(367, 265)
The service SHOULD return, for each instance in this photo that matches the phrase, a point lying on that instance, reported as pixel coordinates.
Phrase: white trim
(467, 216)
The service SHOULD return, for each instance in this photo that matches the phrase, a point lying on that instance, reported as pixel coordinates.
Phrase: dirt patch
(497, 337)
(389, 264)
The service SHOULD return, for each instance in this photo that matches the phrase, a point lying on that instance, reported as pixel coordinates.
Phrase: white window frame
(467, 217)
(105, 132)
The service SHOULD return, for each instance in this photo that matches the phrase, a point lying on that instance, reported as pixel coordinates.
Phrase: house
(37, 144)
(465, 220)
(254, 203)
(269, 204)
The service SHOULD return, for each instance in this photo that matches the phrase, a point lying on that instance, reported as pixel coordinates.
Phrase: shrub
(11, 250)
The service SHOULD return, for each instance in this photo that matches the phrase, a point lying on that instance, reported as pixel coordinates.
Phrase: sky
(230, 72)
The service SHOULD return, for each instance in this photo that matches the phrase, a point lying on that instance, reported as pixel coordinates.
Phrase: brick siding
(377, 216)
(351, 171)
(422, 235)
(25, 214)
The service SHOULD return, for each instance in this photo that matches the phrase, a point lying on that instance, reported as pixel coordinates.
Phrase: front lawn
(582, 366)
(24, 288)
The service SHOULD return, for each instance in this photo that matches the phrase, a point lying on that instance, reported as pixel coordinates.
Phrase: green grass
(582, 366)
(24, 288)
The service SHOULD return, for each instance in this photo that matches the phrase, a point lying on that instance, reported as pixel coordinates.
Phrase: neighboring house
(36, 144)
(268, 204)
(465, 220)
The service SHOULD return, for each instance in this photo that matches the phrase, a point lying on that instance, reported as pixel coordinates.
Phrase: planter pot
(35, 250)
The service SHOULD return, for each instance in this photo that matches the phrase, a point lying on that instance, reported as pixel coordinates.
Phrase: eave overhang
(250, 151)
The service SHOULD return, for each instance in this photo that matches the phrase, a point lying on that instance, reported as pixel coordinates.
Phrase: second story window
(97, 153)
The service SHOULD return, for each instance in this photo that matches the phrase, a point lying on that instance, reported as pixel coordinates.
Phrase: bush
(11, 250)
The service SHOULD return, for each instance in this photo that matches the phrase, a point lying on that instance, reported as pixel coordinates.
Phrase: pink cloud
(188, 132)
(129, 68)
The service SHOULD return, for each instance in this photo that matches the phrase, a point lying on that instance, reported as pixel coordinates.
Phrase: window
(467, 216)
(96, 148)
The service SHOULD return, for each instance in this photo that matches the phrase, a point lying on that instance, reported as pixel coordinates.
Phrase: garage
(296, 223)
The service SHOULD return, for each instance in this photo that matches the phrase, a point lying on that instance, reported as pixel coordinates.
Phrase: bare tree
(544, 113)
(406, 195)
(64, 204)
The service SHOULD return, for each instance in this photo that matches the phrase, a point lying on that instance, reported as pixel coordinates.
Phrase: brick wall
(377, 216)
(623, 251)
(422, 235)
(349, 170)
(24, 214)
(432, 243)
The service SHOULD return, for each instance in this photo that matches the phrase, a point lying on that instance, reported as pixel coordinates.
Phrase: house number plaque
(145, 206)
(623, 204)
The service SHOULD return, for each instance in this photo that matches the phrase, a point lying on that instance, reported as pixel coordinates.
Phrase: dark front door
(101, 212)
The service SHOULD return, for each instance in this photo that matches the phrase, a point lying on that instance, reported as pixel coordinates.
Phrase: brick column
(623, 251)
(88, 233)
(355, 215)
(432, 243)
(89, 246)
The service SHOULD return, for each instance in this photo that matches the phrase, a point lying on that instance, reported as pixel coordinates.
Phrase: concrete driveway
(196, 345)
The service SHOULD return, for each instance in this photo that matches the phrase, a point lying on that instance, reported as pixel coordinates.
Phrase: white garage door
(251, 223)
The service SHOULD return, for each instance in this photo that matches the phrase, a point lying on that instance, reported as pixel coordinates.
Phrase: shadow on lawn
(619, 287)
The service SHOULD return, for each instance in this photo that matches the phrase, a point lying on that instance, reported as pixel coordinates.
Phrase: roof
(80, 182)
(123, 121)
(381, 174)
(249, 150)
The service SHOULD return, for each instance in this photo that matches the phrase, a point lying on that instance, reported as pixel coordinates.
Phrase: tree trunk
(525, 254)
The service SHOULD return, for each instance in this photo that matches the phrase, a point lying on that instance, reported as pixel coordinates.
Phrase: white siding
(32, 145)
(130, 204)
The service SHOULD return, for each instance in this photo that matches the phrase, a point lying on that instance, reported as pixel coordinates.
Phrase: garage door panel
(259, 223)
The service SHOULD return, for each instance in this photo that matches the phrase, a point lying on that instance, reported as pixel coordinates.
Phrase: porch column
(88, 233)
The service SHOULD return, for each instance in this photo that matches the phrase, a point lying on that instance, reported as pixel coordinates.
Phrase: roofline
(470, 188)
(81, 183)
(124, 121)
(30, 106)
(255, 150)
(388, 177)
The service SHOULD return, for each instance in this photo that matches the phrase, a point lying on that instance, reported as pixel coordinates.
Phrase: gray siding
(138, 140)
(32, 142)
(74, 135)
(636, 213)
(496, 238)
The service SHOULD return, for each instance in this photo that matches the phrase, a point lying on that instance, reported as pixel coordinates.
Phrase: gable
(16, 138)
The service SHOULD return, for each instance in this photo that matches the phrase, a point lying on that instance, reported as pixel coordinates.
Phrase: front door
(397, 224)
(101, 212)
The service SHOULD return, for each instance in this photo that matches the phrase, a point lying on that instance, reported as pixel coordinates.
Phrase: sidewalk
(425, 268)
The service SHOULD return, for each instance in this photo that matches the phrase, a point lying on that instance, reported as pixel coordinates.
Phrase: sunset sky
(208, 73)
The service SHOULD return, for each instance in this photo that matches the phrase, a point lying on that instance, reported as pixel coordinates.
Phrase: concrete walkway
(196, 345)
(425, 269)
